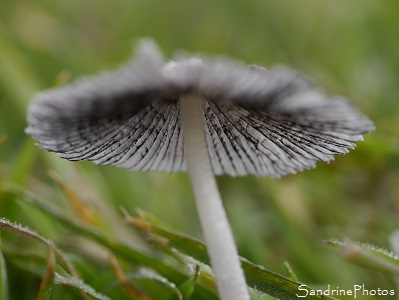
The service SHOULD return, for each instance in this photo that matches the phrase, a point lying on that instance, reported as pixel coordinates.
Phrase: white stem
(215, 226)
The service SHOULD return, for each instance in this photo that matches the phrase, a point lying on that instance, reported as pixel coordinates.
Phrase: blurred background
(350, 48)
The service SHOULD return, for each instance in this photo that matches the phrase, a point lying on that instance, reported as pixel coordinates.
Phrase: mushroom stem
(215, 226)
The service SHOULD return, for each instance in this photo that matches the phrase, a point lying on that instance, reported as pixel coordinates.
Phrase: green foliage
(348, 47)
(257, 277)
(49, 273)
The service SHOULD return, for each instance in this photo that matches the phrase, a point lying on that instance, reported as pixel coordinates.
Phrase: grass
(348, 47)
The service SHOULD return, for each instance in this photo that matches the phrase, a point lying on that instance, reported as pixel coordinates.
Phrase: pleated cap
(257, 122)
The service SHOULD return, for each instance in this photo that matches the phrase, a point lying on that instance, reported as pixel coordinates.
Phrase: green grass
(349, 47)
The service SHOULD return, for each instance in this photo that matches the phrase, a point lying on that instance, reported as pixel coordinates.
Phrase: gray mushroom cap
(257, 123)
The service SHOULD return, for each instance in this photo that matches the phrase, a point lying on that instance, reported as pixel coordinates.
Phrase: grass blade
(290, 271)
(145, 274)
(130, 289)
(367, 255)
(37, 265)
(187, 288)
(62, 277)
(12, 227)
(3, 276)
(48, 280)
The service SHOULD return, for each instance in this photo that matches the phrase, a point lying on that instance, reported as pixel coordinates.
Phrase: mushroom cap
(257, 122)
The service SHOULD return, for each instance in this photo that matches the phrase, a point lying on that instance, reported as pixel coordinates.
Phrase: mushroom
(206, 116)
